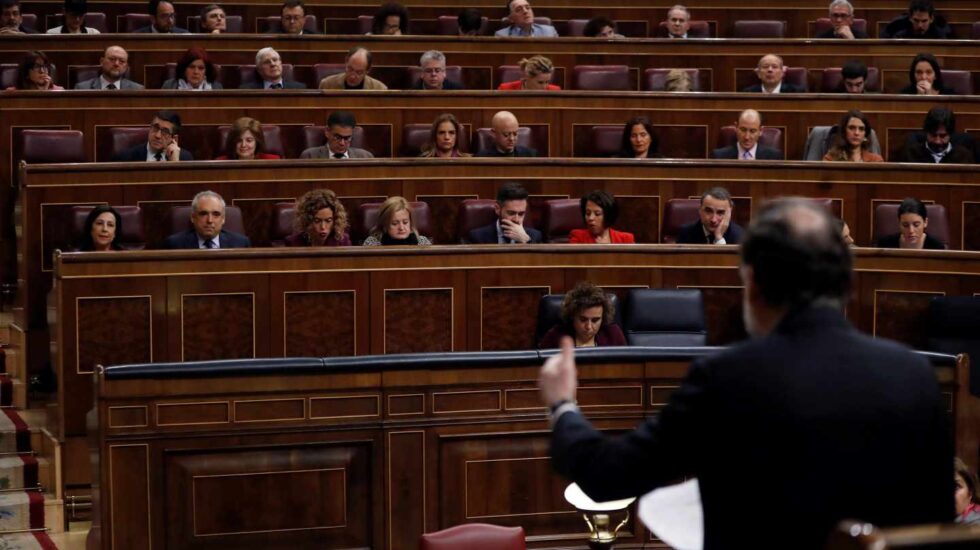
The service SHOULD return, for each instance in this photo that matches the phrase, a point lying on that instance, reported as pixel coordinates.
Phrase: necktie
(338, 155)
(710, 239)
(276, 86)
(111, 87)
(158, 157)
(209, 243)
(747, 155)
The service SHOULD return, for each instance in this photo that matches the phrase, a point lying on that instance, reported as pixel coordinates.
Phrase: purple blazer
(609, 335)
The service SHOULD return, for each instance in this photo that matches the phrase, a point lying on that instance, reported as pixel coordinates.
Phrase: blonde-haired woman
(321, 220)
(395, 226)
(538, 71)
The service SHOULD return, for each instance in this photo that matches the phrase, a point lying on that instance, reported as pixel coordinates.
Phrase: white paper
(674, 515)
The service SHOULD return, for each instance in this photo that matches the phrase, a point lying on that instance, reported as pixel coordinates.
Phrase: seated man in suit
(854, 77)
(357, 65)
(268, 69)
(161, 143)
(748, 130)
(164, 19)
(920, 21)
(113, 65)
(842, 17)
(433, 64)
(208, 218)
(293, 18)
(12, 20)
(715, 225)
(522, 22)
(939, 144)
(504, 127)
(770, 71)
(511, 208)
(678, 21)
(339, 133)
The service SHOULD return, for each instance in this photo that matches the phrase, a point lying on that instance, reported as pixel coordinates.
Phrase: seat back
(474, 213)
(549, 313)
(323, 70)
(601, 77)
(975, 31)
(93, 20)
(797, 76)
(605, 140)
(414, 73)
(51, 146)
(771, 137)
(247, 74)
(759, 29)
(124, 137)
(364, 23)
(233, 24)
(560, 217)
(313, 136)
(283, 214)
(824, 24)
(180, 219)
(832, 81)
(678, 213)
(475, 536)
(131, 236)
(129, 22)
(367, 218)
(414, 137)
(508, 73)
(8, 75)
(655, 80)
(698, 29)
(886, 222)
(270, 132)
(576, 27)
(273, 24)
(665, 317)
(484, 139)
(449, 25)
(952, 328)
(961, 82)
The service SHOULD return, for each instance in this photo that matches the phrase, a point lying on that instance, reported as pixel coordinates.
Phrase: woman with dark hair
(851, 142)
(587, 315)
(391, 19)
(926, 77)
(912, 222)
(444, 138)
(321, 220)
(601, 27)
(194, 72)
(246, 141)
(395, 226)
(599, 211)
(101, 232)
(639, 141)
(34, 73)
(966, 494)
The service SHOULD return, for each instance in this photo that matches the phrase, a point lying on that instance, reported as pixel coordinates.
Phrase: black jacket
(446, 85)
(829, 33)
(785, 88)
(519, 151)
(693, 233)
(488, 234)
(901, 27)
(188, 240)
(761, 153)
(892, 241)
(259, 85)
(138, 154)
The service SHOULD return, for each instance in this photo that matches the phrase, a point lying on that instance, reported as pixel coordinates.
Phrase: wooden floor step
(54, 513)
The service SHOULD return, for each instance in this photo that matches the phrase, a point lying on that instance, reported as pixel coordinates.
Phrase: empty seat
(271, 133)
(975, 31)
(247, 74)
(51, 146)
(129, 22)
(560, 217)
(124, 137)
(233, 23)
(94, 20)
(832, 81)
(367, 218)
(414, 73)
(323, 70)
(759, 29)
(771, 137)
(313, 136)
(449, 25)
(474, 213)
(283, 214)
(549, 313)
(29, 20)
(131, 236)
(886, 222)
(665, 318)
(576, 27)
(677, 214)
(273, 24)
(484, 140)
(952, 328)
(655, 80)
(824, 24)
(180, 219)
(475, 536)
(697, 29)
(365, 24)
(605, 140)
(601, 77)
(8, 75)
(414, 137)
(961, 82)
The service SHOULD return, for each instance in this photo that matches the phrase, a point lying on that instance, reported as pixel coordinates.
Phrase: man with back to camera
(269, 73)
(433, 64)
(504, 130)
(808, 423)
(842, 21)
(771, 71)
(920, 21)
(511, 209)
(164, 19)
(357, 65)
(113, 65)
(678, 21)
(339, 133)
(521, 17)
(715, 225)
(748, 130)
(208, 221)
(161, 142)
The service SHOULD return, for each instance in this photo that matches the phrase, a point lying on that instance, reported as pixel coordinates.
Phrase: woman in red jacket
(599, 211)
(246, 142)
(537, 75)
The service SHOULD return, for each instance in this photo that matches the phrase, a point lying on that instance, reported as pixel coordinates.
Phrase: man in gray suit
(339, 133)
(114, 63)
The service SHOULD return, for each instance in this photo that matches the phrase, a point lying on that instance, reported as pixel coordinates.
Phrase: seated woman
(101, 232)
(678, 80)
(639, 141)
(925, 77)
(851, 142)
(537, 75)
(391, 19)
(320, 220)
(912, 223)
(246, 142)
(34, 73)
(444, 138)
(966, 495)
(587, 315)
(600, 212)
(214, 20)
(195, 72)
(395, 226)
(601, 27)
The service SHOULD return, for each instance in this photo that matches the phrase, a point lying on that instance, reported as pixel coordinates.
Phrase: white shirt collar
(103, 83)
(938, 157)
(776, 90)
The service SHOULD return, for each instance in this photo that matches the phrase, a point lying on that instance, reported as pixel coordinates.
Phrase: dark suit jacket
(892, 241)
(809, 425)
(693, 233)
(149, 29)
(917, 152)
(138, 154)
(446, 85)
(258, 85)
(761, 153)
(488, 234)
(519, 152)
(786, 88)
(829, 33)
(188, 239)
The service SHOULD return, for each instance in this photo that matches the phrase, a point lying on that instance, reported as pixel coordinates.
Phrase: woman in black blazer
(912, 222)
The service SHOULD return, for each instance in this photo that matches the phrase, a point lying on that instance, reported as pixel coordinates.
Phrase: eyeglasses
(156, 128)
(41, 67)
(339, 137)
(839, 15)
(434, 70)
(293, 17)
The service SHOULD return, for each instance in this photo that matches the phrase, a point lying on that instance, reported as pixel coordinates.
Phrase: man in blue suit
(511, 208)
(208, 218)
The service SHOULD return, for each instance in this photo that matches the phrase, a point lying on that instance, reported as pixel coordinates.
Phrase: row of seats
(559, 217)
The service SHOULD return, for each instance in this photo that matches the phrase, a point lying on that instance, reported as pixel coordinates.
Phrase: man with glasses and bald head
(164, 19)
(433, 64)
(357, 65)
(339, 133)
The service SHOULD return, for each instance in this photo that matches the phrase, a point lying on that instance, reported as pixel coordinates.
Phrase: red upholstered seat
(605, 140)
(960, 81)
(233, 23)
(678, 213)
(797, 76)
(759, 29)
(524, 138)
(449, 25)
(507, 73)
(560, 217)
(129, 22)
(475, 536)
(771, 137)
(125, 137)
(283, 214)
(601, 77)
(29, 20)
(576, 27)
(474, 213)
(364, 23)
(655, 80)
(246, 73)
(975, 31)
(414, 137)
(94, 20)
(180, 219)
(323, 70)
(8, 75)
(824, 24)
(833, 81)
(51, 146)
(367, 218)
(313, 137)
(273, 24)
(698, 29)
(886, 222)
(131, 236)
(414, 73)
(271, 133)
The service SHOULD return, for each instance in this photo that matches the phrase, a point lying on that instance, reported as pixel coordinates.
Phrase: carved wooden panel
(500, 328)
(406, 478)
(466, 401)
(406, 404)
(723, 315)
(418, 320)
(193, 413)
(640, 216)
(319, 324)
(217, 326)
(902, 316)
(129, 471)
(257, 217)
(971, 226)
(126, 417)
(113, 331)
(352, 406)
(269, 410)
(445, 213)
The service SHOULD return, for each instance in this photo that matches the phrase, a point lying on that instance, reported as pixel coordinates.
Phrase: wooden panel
(470, 401)
(354, 406)
(128, 417)
(113, 331)
(902, 315)
(723, 313)
(269, 410)
(203, 338)
(406, 404)
(500, 328)
(640, 216)
(320, 324)
(406, 478)
(971, 226)
(129, 485)
(607, 396)
(410, 313)
(192, 414)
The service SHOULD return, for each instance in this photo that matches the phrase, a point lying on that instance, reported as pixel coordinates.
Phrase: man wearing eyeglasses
(113, 66)
(357, 65)
(433, 64)
(940, 143)
(164, 19)
(161, 143)
(504, 130)
(339, 133)
(842, 21)
(522, 22)
(293, 18)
